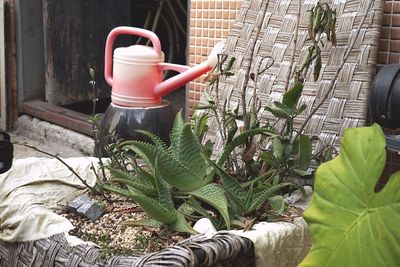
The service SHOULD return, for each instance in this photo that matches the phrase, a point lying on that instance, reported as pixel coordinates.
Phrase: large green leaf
(352, 225)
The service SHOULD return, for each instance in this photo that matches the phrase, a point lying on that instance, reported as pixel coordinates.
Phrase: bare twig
(247, 75)
(221, 123)
(296, 34)
(333, 81)
(61, 160)
(98, 142)
(258, 72)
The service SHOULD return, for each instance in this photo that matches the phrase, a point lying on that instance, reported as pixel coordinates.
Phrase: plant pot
(225, 249)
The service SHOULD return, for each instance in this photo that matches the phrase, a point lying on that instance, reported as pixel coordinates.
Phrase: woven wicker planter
(225, 249)
(268, 245)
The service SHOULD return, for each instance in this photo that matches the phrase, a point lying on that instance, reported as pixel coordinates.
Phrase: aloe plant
(172, 173)
(351, 224)
(246, 199)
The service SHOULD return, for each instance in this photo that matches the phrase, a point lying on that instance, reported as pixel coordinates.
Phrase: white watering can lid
(138, 53)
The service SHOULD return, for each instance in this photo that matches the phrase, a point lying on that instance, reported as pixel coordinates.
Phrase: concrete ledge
(54, 138)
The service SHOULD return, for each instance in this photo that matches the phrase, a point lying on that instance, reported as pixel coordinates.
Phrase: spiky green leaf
(231, 185)
(181, 225)
(114, 189)
(176, 130)
(164, 194)
(161, 212)
(154, 138)
(262, 197)
(151, 223)
(145, 151)
(214, 196)
(132, 179)
(150, 191)
(177, 174)
(188, 152)
(240, 139)
(196, 205)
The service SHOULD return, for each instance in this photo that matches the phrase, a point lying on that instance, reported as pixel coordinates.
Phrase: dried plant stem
(296, 35)
(247, 75)
(220, 122)
(342, 63)
(62, 161)
(254, 108)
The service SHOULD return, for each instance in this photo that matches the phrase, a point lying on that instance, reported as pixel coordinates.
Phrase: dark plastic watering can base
(122, 122)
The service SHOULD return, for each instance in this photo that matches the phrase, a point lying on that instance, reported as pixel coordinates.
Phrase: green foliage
(351, 224)
(258, 161)
(245, 200)
(181, 164)
(173, 174)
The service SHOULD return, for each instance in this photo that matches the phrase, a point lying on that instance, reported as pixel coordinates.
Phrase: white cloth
(34, 186)
(280, 243)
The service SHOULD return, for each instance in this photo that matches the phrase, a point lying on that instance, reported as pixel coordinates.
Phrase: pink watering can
(137, 73)
(136, 78)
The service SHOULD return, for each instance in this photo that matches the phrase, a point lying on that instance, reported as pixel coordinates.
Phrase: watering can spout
(188, 74)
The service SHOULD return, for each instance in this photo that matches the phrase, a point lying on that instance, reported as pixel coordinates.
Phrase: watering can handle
(125, 30)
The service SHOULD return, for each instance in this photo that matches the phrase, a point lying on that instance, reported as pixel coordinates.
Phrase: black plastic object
(6, 152)
(385, 97)
(122, 122)
(393, 142)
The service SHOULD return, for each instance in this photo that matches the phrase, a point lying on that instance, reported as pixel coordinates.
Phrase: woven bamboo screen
(346, 105)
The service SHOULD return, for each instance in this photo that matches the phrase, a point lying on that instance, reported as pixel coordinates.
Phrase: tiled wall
(209, 23)
(390, 35)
